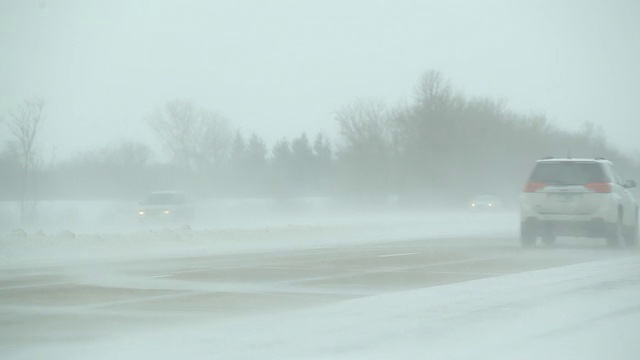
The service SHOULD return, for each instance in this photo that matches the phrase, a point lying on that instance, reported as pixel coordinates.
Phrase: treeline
(444, 146)
(297, 167)
(439, 147)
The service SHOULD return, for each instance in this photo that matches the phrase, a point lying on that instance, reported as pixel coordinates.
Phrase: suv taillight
(599, 187)
(534, 186)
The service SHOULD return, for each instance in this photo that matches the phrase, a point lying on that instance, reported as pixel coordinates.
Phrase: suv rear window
(568, 173)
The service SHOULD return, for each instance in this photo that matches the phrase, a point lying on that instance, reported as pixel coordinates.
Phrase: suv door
(625, 197)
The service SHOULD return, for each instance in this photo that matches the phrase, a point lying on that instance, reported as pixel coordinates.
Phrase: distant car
(486, 202)
(580, 198)
(166, 206)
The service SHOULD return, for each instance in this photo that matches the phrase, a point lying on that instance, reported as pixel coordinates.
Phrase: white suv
(578, 197)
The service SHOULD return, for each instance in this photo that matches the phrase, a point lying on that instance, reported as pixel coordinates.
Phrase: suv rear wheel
(549, 239)
(614, 233)
(631, 233)
(527, 237)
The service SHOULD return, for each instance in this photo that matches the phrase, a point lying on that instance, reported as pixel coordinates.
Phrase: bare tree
(433, 90)
(365, 123)
(196, 137)
(367, 130)
(25, 121)
(594, 136)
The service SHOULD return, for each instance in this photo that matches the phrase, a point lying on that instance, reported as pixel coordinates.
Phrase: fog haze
(280, 68)
(319, 179)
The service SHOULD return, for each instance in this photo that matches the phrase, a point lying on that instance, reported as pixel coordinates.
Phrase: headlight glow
(140, 212)
(167, 211)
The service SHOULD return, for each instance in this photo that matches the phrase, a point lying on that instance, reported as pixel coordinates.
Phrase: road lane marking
(466, 273)
(462, 261)
(17, 287)
(284, 268)
(403, 254)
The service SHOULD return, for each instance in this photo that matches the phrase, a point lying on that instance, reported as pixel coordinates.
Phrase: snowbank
(18, 249)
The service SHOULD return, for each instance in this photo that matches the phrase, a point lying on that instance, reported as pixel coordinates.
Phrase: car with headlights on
(485, 202)
(166, 206)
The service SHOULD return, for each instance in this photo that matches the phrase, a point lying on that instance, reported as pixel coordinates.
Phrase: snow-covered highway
(376, 287)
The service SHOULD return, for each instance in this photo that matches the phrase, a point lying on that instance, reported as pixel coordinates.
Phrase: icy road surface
(438, 286)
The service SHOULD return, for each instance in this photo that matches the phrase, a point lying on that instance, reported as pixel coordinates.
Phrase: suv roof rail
(547, 157)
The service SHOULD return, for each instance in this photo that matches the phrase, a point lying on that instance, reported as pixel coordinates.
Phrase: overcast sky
(279, 68)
